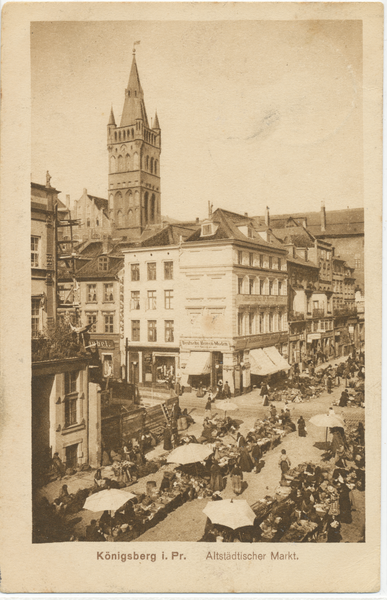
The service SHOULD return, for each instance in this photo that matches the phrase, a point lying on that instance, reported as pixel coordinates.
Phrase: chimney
(267, 217)
(209, 209)
(68, 201)
(85, 191)
(105, 245)
(197, 220)
(246, 214)
(323, 217)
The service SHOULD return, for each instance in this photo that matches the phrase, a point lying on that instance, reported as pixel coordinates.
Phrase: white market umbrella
(226, 406)
(327, 421)
(189, 453)
(230, 513)
(108, 500)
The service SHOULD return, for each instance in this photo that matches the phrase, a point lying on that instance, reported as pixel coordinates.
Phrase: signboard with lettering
(206, 344)
(103, 344)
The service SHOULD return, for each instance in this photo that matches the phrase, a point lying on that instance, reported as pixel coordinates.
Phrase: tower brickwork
(134, 164)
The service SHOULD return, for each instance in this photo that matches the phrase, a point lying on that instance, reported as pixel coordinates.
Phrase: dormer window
(103, 263)
(207, 229)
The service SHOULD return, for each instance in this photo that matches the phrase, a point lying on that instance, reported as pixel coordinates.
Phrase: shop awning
(276, 357)
(266, 361)
(199, 363)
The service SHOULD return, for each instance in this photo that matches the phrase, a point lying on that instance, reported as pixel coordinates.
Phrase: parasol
(226, 406)
(189, 453)
(327, 420)
(108, 500)
(230, 513)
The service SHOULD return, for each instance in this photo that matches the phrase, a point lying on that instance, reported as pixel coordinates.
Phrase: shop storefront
(152, 366)
(109, 354)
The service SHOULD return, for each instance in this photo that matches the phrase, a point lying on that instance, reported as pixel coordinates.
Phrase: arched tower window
(153, 209)
(137, 199)
(127, 163)
(147, 163)
(151, 165)
(112, 164)
(118, 200)
(119, 218)
(130, 218)
(136, 162)
(137, 216)
(115, 135)
(132, 132)
(156, 166)
(119, 135)
(120, 163)
(123, 135)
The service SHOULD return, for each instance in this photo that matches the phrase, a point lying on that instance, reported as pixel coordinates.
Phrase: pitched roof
(169, 236)
(91, 269)
(338, 222)
(134, 106)
(298, 236)
(93, 249)
(101, 203)
(228, 224)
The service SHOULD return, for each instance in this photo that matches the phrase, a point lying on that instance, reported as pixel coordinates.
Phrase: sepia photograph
(197, 217)
(198, 362)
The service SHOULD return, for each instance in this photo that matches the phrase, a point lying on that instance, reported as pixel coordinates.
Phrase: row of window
(169, 331)
(152, 271)
(259, 260)
(92, 318)
(125, 164)
(108, 292)
(151, 300)
(263, 287)
(260, 322)
(126, 134)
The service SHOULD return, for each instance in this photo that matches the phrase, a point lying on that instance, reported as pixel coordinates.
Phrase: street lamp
(134, 365)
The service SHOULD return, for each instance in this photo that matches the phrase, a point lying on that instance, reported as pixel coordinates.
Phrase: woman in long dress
(245, 462)
(301, 427)
(236, 479)
(345, 505)
(216, 480)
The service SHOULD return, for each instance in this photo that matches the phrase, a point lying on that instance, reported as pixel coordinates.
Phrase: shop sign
(206, 344)
(103, 344)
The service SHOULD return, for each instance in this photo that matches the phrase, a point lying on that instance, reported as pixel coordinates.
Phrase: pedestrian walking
(284, 464)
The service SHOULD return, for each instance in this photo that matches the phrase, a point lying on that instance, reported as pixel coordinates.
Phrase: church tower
(134, 164)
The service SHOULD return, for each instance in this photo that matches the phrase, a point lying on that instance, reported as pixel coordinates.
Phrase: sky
(252, 113)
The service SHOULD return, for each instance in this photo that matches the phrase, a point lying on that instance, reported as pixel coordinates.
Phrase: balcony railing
(261, 300)
(345, 311)
(318, 312)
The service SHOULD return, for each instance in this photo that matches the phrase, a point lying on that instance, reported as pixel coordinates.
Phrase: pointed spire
(111, 118)
(134, 107)
(156, 124)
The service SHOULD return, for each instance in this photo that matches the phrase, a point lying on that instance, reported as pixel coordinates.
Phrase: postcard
(191, 365)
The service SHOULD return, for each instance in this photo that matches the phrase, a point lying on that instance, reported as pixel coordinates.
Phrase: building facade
(44, 201)
(233, 304)
(93, 218)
